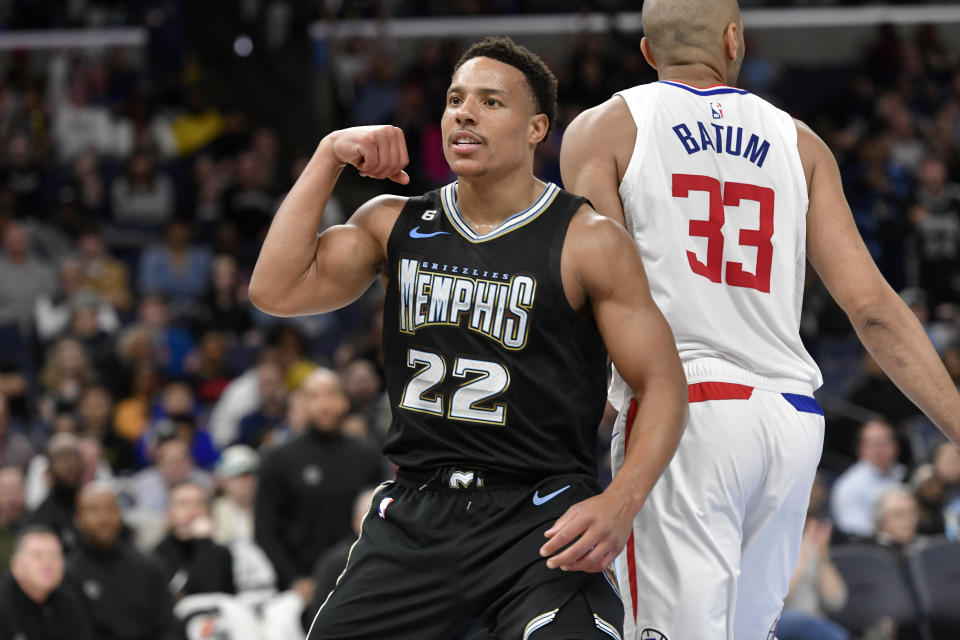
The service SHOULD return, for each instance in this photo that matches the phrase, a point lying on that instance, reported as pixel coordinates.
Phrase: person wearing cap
(233, 520)
(123, 591)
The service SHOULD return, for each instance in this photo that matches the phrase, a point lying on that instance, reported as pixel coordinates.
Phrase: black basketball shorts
(440, 553)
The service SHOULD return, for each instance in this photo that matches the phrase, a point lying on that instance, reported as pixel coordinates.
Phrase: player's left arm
(604, 271)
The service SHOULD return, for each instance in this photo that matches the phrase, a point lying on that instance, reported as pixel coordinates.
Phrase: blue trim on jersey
(713, 91)
(803, 404)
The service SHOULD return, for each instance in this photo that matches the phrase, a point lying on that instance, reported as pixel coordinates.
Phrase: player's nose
(467, 112)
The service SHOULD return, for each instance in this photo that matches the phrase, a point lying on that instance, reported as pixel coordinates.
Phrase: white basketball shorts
(714, 547)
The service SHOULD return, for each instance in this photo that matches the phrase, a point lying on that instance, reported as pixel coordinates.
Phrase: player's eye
(454, 100)
(492, 102)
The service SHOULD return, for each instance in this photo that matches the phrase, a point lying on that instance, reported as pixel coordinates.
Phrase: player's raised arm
(595, 152)
(603, 262)
(300, 272)
(886, 326)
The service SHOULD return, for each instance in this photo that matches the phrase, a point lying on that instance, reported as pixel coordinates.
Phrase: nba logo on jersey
(716, 110)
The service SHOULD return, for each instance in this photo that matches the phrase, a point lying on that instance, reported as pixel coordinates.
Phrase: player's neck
(485, 203)
(697, 74)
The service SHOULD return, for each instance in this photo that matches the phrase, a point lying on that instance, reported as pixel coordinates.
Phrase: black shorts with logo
(441, 552)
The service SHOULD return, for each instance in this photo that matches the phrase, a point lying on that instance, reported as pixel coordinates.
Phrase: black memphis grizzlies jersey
(487, 365)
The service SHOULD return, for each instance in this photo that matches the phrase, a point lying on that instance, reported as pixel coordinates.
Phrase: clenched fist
(378, 151)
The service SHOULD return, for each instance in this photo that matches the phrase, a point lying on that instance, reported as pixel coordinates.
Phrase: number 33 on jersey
(716, 199)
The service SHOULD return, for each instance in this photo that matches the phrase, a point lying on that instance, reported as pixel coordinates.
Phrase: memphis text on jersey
(490, 303)
(722, 139)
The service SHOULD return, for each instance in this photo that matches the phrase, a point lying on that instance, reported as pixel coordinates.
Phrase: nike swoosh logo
(415, 233)
(539, 500)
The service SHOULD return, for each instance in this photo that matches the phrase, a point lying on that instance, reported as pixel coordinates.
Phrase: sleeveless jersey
(716, 199)
(487, 365)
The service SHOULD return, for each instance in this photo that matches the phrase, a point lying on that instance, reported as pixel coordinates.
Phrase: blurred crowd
(170, 444)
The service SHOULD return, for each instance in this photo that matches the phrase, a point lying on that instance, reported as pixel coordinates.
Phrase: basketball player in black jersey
(502, 292)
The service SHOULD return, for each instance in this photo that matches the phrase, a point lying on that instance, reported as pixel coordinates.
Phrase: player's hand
(598, 527)
(377, 152)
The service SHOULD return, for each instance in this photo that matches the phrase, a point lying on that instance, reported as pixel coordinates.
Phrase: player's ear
(539, 125)
(647, 50)
(731, 41)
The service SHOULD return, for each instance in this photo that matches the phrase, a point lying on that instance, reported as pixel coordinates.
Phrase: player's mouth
(465, 142)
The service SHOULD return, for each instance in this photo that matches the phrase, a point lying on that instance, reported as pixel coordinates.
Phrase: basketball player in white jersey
(726, 196)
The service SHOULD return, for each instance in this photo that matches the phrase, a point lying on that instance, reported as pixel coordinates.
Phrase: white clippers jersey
(716, 199)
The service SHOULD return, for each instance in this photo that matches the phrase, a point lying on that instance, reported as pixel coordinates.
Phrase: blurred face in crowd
(361, 381)
(178, 235)
(489, 124)
(70, 357)
(11, 495)
(899, 517)
(173, 461)
(933, 174)
(224, 269)
(270, 382)
(98, 516)
(241, 489)
(326, 401)
(66, 461)
(90, 246)
(187, 505)
(946, 463)
(95, 408)
(878, 446)
(37, 565)
(177, 399)
(71, 276)
(16, 243)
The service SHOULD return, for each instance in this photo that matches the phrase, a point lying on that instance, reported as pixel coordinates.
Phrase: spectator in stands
(855, 491)
(11, 510)
(124, 592)
(15, 448)
(928, 492)
(102, 273)
(149, 488)
(228, 307)
(937, 231)
(23, 175)
(76, 123)
(192, 562)
(142, 198)
(207, 368)
(331, 564)
(170, 341)
(37, 485)
(33, 603)
(233, 519)
(365, 390)
(257, 426)
(895, 518)
(56, 314)
(177, 418)
(95, 412)
(86, 190)
(175, 269)
(65, 376)
(250, 202)
(233, 510)
(23, 278)
(307, 485)
(239, 399)
(65, 477)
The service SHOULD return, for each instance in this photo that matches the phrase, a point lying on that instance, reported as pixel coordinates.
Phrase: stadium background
(145, 145)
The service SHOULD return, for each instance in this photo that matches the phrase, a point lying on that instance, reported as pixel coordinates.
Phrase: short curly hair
(542, 82)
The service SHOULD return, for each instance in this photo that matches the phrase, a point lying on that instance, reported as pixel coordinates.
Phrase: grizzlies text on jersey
(487, 365)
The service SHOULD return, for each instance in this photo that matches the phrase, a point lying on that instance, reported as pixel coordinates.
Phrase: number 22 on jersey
(489, 379)
(730, 194)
